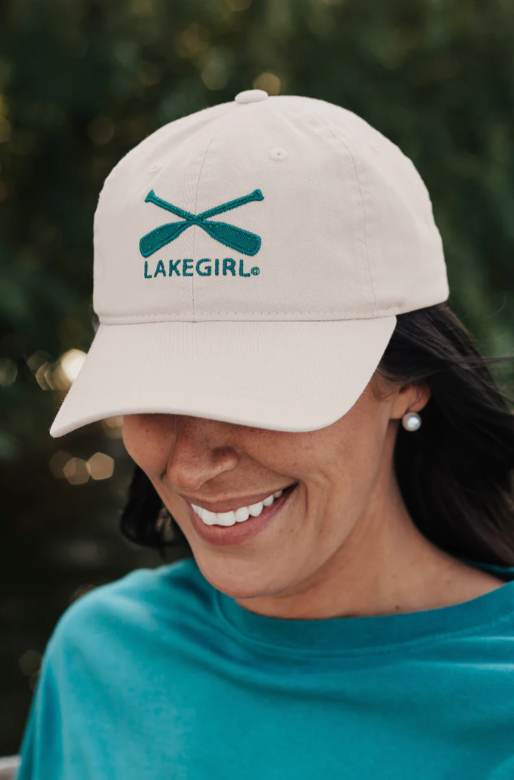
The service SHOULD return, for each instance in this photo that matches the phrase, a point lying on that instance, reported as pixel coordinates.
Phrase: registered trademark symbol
(255, 270)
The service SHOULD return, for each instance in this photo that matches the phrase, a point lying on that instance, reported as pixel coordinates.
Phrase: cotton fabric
(159, 675)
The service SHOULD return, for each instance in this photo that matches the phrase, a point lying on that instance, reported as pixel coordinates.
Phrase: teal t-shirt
(159, 676)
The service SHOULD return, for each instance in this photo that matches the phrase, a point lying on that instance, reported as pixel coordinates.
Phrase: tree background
(81, 83)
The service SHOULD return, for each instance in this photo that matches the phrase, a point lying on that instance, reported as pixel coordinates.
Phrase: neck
(385, 566)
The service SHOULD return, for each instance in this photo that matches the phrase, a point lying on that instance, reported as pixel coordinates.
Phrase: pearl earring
(411, 421)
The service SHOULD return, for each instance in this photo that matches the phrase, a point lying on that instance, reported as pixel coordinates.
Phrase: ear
(410, 398)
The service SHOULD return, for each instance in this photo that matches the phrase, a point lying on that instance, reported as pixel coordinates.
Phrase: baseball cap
(249, 263)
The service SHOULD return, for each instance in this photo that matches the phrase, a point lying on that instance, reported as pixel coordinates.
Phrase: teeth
(242, 514)
(256, 509)
(226, 518)
(238, 516)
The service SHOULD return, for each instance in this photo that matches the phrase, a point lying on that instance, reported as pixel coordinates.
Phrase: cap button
(251, 96)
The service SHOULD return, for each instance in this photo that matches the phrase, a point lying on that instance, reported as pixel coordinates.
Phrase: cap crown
(283, 208)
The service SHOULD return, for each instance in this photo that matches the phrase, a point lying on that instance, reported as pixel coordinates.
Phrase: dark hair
(455, 473)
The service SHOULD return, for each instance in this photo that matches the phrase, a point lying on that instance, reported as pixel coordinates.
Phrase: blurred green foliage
(81, 83)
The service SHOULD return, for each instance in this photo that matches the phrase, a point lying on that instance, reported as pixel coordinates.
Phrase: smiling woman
(451, 481)
(330, 448)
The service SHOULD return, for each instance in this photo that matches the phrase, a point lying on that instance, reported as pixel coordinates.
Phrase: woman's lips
(239, 533)
(229, 506)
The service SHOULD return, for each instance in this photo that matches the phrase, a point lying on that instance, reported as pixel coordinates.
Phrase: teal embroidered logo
(207, 266)
(236, 238)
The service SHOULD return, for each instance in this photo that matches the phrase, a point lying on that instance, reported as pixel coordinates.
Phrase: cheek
(148, 440)
(358, 445)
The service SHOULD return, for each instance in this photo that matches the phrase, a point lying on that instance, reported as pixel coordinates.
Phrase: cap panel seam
(196, 204)
(364, 220)
(118, 171)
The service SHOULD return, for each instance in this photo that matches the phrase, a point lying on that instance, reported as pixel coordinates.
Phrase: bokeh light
(57, 463)
(76, 471)
(29, 662)
(8, 372)
(113, 427)
(70, 364)
(100, 466)
(268, 82)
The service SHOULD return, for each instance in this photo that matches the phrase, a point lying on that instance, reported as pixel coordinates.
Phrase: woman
(320, 431)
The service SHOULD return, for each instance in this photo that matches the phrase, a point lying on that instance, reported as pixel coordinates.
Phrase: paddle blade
(161, 236)
(236, 238)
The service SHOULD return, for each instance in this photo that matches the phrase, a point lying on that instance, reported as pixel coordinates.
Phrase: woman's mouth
(243, 525)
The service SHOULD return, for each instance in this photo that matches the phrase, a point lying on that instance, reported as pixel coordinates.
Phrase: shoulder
(145, 600)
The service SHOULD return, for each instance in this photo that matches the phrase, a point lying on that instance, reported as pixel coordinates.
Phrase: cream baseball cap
(249, 263)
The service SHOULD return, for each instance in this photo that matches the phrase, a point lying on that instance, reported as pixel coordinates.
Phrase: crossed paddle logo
(236, 238)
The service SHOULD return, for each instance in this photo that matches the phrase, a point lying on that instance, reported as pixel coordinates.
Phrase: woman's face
(341, 471)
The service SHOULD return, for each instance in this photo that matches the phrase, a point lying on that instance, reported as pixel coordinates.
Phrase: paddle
(161, 236)
(236, 238)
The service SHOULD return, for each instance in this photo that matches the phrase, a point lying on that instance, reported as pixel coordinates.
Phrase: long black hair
(455, 473)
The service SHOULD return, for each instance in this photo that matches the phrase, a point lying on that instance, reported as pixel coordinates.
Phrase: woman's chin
(239, 580)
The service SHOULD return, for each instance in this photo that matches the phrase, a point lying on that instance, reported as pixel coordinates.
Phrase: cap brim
(283, 376)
